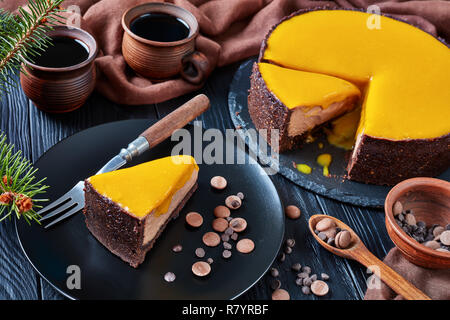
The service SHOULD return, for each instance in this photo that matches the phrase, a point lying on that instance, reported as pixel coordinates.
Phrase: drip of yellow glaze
(343, 130)
(406, 69)
(324, 160)
(304, 168)
(305, 89)
(148, 187)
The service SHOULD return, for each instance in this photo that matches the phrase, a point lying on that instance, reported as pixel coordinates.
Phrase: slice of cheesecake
(127, 210)
(296, 102)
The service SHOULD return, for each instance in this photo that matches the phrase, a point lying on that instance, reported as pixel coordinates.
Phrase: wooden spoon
(358, 251)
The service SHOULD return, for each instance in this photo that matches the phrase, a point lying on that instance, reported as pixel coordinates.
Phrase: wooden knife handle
(176, 119)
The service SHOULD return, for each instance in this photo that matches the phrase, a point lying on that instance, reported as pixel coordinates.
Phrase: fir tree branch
(23, 36)
(18, 187)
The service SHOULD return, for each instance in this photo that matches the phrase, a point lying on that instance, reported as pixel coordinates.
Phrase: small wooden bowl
(429, 200)
(59, 90)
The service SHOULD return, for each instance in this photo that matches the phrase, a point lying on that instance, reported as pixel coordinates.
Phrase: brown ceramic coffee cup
(59, 90)
(162, 60)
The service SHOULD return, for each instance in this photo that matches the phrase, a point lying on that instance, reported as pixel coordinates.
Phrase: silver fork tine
(57, 202)
(60, 209)
(65, 215)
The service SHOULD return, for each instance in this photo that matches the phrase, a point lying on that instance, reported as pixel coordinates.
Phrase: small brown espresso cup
(59, 90)
(159, 60)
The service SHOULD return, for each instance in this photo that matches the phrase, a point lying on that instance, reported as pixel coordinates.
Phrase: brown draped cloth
(230, 30)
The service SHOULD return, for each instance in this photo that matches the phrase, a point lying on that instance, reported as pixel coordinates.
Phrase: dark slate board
(336, 186)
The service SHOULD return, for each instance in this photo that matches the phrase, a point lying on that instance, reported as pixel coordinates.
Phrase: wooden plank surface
(35, 132)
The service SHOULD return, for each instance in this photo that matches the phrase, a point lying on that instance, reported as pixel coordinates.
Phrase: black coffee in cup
(62, 52)
(161, 27)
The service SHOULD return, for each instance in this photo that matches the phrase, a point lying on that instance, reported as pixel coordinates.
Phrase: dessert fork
(73, 200)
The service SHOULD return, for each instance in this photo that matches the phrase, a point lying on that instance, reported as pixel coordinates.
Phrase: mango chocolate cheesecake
(316, 66)
(127, 210)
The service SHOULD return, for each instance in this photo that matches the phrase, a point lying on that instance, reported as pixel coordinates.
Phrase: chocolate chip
(421, 224)
(177, 248)
(240, 195)
(296, 267)
(201, 268)
(401, 217)
(229, 218)
(398, 208)
(292, 212)
(234, 236)
(306, 269)
(290, 243)
(221, 212)
(274, 272)
(226, 254)
(227, 246)
(200, 252)
(447, 227)
(194, 219)
(170, 277)
(238, 224)
(245, 246)
(218, 182)
(280, 294)
(229, 231)
(275, 284)
(225, 237)
(319, 288)
(324, 276)
(220, 224)
(330, 241)
(325, 224)
(210, 260)
(306, 290)
(233, 202)
(322, 236)
(211, 239)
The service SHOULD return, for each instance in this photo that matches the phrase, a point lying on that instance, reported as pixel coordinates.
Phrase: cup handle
(195, 66)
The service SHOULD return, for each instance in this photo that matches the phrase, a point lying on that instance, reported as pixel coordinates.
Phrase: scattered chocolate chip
(292, 212)
(225, 237)
(220, 224)
(324, 276)
(238, 224)
(194, 219)
(319, 288)
(233, 202)
(218, 182)
(170, 277)
(226, 254)
(227, 246)
(306, 290)
(234, 236)
(245, 246)
(177, 248)
(330, 241)
(210, 260)
(200, 252)
(201, 268)
(221, 212)
(229, 231)
(240, 195)
(290, 243)
(275, 284)
(274, 272)
(211, 239)
(296, 267)
(280, 294)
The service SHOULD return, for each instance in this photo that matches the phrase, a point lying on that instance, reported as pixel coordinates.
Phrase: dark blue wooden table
(34, 132)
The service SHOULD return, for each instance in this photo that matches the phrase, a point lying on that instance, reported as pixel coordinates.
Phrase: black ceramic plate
(105, 276)
(335, 187)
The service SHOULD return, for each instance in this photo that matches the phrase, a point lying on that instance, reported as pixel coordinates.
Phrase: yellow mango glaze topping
(403, 71)
(148, 187)
(305, 89)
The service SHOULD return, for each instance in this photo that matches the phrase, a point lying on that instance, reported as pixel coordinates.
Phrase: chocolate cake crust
(117, 230)
(382, 161)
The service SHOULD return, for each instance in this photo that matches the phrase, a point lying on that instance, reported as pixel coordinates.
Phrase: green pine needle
(20, 181)
(23, 36)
